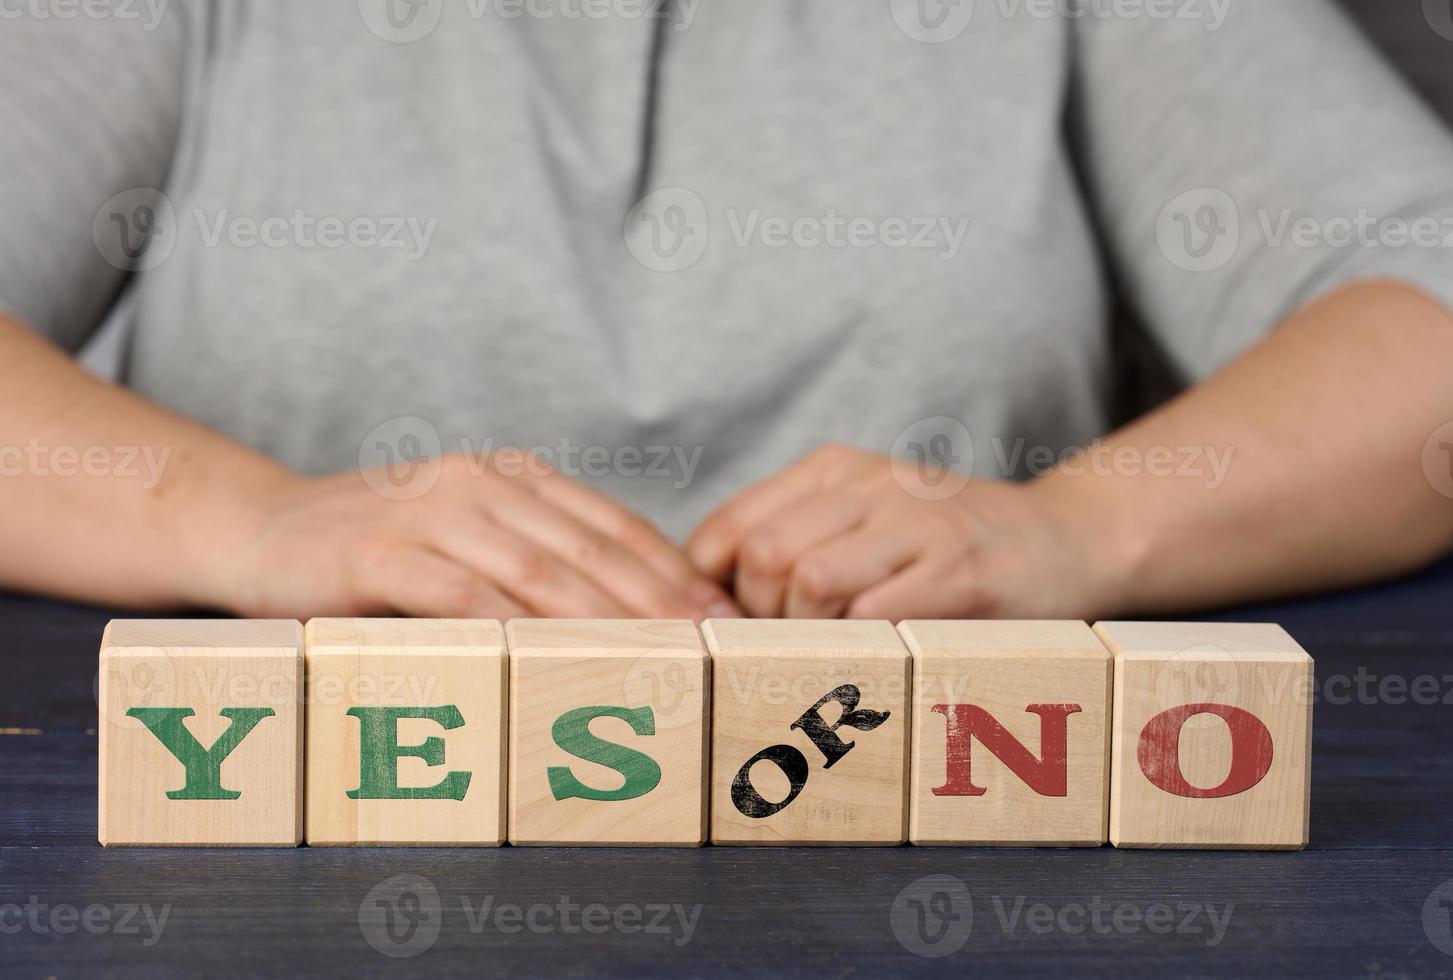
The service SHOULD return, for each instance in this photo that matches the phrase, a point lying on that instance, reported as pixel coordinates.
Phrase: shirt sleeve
(89, 109)
(1246, 156)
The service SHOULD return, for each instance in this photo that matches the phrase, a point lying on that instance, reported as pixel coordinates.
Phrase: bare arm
(1306, 471)
(1322, 429)
(149, 522)
(105, 497)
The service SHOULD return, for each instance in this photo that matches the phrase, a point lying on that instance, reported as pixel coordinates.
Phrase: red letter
(1159, 751)
(1047, 775)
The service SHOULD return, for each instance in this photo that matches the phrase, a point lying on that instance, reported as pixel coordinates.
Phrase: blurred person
(775, 307)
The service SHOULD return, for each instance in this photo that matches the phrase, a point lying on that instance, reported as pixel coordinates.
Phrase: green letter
(572, 733)
(204, 766)
(379, 752)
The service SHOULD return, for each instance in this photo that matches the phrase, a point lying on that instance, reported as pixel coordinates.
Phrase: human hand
(844, 532)
(484, 541)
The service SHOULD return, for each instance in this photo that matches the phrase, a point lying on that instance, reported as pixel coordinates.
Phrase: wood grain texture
(653, 675)
(406, 663)
(1351, 903)
(195, 670)
(1004, 669)
(1211, 740)
(766, 675)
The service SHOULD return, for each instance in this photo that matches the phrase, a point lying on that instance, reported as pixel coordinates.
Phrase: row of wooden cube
(638, 732)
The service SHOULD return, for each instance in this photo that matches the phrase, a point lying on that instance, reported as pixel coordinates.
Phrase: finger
(632, 532)
(715, 545)
(419, 582)
(771, 549)
(925, 590)
(617, 571)
(826, 581)
(524, 569)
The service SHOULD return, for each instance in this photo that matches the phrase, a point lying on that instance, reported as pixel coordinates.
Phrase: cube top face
(806, 637)
(215, 637)
(605, 638)
(1002, 638)
(201, 734)
(408, 636)
(809, 733)
(608, 728)
(1263, 642)
(406, 732)
(1211, 744)
(1011, 729)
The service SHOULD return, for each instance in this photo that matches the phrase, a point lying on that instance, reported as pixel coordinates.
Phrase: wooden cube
(1212, 736)
(406, 732)
(201, 733)
(809, 732)
(1011, 734)
(607, 732)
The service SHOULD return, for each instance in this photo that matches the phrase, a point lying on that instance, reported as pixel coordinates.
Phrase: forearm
(1320, 432)
(109, 498)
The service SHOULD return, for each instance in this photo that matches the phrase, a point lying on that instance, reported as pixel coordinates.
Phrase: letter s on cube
(608, 722)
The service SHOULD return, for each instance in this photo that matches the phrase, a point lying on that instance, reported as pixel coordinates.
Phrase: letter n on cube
(1011, 733)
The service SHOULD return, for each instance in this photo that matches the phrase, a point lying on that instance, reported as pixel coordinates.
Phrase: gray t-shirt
(678, 244)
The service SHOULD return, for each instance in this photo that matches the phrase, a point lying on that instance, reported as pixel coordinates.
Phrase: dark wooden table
(1372, 896)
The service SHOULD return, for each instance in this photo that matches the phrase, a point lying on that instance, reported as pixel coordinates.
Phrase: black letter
(748, 801)
(824, 735)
